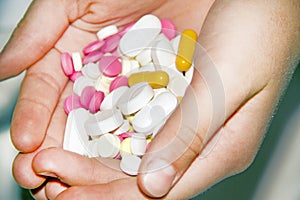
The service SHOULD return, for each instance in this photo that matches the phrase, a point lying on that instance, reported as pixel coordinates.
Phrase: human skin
(254, 47)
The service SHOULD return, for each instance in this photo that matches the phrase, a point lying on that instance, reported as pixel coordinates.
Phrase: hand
(244, 106)
(49, 28)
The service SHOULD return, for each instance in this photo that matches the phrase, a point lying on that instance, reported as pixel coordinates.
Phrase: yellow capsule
(186, 50)
(156, 79)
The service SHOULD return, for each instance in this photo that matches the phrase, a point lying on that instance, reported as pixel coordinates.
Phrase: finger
(43, 24)
(22, 166)
(81, 170)
(54, 187)
(213, 97)
(120, 189)
(39, 95)
(39, 193)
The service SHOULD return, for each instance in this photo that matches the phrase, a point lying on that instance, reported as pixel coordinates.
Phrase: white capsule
(130, 164)
(77, 61)
(140, 36)
(178, 85)
(107, 31)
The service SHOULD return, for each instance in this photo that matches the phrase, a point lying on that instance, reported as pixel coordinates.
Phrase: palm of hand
(45, 87)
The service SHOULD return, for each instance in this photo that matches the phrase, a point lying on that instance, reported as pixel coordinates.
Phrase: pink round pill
(92, 57)
(168, 28)
(126, 28)
(86, 96)
(67, 64)
(72, 102)
(111, 43)
(75, 76)
(118, 82)
(110, 66)
(93, 46)
(96, 101)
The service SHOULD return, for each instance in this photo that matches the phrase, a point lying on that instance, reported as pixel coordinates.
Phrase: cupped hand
(49, 28)
(242, 71)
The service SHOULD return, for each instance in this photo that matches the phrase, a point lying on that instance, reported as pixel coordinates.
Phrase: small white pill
(144, 57)
(123, 128)
(108, 145)
(107, 31)
(130, 164)
(111, 100)
(163, 54)
(178, 85)
(103, 122)
(91, 70)
(138, 144)
(140, 36)
(80, 83)
(136, 98)
(77, 61)
(160, 108)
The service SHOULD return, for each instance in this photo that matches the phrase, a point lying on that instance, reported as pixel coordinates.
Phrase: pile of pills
(126, 85)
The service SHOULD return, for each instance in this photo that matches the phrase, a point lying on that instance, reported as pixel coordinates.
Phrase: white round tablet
(138, 144)
(136, 98)
(130, 164)
(108, 145)
(103, 122)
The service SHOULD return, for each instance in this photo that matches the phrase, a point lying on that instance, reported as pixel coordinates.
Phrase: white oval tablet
(138, 144)
(103, 122)
(140, 36)
(123, 128)
(77, 61)
(147, 119)
(130, 164)
(108, 145)
(107, 31)
(136, 98)
(111, 100)
(80, 83)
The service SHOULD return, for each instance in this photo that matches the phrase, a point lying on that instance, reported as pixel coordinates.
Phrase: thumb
(41, 27)
(182, 138)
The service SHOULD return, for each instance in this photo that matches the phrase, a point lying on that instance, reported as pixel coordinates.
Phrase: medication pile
(126, 85)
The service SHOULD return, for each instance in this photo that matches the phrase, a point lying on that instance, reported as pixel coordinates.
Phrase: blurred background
(273, 175)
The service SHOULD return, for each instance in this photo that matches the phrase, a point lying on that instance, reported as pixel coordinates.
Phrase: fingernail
(160, 179)
(49, 174)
